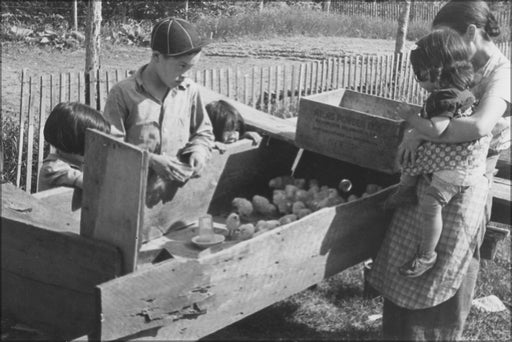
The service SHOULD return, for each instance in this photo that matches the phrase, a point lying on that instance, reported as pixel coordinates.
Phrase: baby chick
(243, 207)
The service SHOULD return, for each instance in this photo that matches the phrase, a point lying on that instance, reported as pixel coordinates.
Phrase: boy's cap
(175, 37)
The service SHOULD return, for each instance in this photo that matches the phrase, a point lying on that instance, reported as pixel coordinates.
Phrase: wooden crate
(358, 128)
(188, 293)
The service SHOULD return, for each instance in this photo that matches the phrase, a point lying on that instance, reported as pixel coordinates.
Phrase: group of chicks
(292, 199)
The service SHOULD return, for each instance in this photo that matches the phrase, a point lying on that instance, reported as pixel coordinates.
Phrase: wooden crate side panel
(185, 203)
(115, 176)
(57, 258)
(56, 310)
(61, 198)
(374, 105)
(18, 205)
(349, 135)
(229, 285)
(248, 173)
(48, 272)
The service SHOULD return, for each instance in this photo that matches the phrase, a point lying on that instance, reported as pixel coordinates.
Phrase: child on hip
(441, 64)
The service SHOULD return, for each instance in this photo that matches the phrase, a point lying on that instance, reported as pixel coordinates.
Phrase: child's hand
(254, 136)
(220, 146)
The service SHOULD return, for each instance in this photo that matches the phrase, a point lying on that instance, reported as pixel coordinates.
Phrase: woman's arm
(432, 128)
(460, 130)
(477, 125)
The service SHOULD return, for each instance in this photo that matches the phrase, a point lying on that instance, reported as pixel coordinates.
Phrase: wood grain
(115, 176)
(49, 272)
(185, 300)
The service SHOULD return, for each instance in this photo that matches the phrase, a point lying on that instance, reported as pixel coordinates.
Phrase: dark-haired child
(442, 66)
(65, 130)
(228, 125)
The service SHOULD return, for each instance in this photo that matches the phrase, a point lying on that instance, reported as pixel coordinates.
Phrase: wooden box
(358, 128)
(129, 271)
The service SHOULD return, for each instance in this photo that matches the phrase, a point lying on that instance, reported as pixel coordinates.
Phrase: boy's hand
(169, 168)
(197, 162)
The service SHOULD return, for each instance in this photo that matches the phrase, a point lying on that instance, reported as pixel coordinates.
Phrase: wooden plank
(41, 120)
(253, 87)
(30, 135)
(374, 105)
(21, 206)
(57, 311)
(501, 191)
(256, 119)
(115, 175)
(49, 272)
(21, 128)
(61, 198)
(186, 300)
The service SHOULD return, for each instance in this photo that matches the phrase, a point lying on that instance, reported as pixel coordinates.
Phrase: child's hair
(224, 118)
(443, 56)
(66, 125)
(458, 15)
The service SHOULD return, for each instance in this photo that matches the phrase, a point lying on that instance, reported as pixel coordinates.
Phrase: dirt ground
(241, 53)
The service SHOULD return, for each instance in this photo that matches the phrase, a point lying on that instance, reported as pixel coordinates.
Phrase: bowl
(208, 241)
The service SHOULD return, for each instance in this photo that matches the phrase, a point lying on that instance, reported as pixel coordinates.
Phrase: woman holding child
(434, 304)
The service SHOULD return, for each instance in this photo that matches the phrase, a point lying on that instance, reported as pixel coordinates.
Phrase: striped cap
(175, 37)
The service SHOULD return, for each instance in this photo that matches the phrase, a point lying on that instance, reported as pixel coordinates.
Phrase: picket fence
(420, 10)
(275, 89)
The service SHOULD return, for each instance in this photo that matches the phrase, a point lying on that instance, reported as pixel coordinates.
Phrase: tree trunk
(186, 9)
(403, 23)
(326, 5)
(92, 49)
(261, 5)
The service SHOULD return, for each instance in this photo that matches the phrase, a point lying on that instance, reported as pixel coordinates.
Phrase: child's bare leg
(431, 206)
(405, 194)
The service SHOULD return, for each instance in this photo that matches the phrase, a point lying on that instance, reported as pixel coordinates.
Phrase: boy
(160, 110)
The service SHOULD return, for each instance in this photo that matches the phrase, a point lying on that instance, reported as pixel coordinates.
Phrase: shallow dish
(205, 242)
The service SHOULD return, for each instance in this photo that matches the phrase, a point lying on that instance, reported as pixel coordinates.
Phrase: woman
(435, 305)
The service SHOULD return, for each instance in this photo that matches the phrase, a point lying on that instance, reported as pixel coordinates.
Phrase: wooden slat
(30, 135)
(276, 79)
(115, 176)
(42, 119)
(253, 87)
(269, 89)
(225, 286)
(21, 128)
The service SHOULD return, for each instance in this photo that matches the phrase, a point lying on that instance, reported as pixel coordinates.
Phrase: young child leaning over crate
(228, 125)
(65, 130)
(441, 64)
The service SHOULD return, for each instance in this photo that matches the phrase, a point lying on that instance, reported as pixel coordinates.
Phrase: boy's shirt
(60, 169)
(176, 126)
